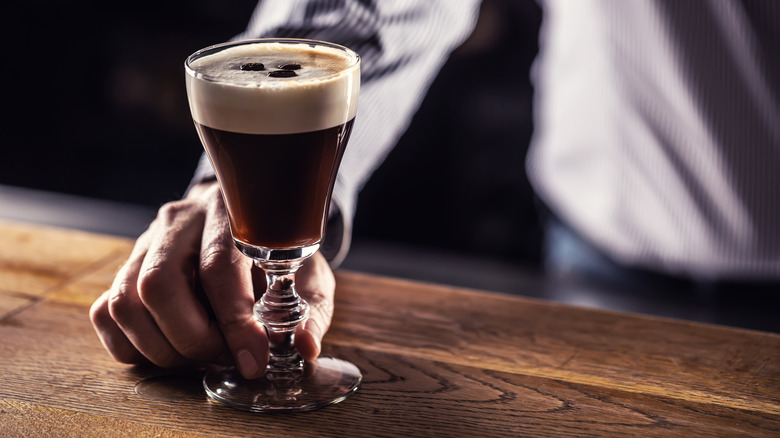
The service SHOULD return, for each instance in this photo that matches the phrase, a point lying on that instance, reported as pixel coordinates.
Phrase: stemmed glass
(274, 116)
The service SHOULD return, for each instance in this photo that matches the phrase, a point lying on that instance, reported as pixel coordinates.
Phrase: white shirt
(657, 131)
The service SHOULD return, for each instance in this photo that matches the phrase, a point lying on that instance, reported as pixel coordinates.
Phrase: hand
(185, 295)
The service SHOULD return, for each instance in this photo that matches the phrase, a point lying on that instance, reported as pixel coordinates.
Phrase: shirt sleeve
(402, 45)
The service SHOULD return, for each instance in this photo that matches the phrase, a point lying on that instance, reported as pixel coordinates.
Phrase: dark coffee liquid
(277, 187)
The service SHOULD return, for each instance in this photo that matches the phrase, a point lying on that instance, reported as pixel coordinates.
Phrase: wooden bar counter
(437, 361)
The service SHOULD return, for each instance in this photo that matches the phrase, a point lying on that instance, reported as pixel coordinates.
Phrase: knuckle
(121, 303)
(99, 314)
(169, 211)
(214, 198)
(115, 343)
(215, 257)
(150, 283)
(174, 216)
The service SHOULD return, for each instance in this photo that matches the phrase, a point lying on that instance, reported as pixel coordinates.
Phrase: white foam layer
(324, 93)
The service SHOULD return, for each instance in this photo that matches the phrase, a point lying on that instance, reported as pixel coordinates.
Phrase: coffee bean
(282, 74)
(252, 66)
(290, 66)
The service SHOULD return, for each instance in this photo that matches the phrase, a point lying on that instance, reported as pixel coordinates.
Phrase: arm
(185, 295)
(402, 44)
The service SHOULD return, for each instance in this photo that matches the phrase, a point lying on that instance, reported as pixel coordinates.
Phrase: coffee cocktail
(274, 119)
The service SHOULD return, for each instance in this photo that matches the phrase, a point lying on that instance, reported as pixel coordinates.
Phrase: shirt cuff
(338, 236)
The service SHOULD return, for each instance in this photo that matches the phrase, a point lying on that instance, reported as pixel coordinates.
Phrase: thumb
(316, 284)
(226, 277)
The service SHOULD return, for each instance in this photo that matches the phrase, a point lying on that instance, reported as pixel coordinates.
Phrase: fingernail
(247, 363)
(318, 343)
(314, 329)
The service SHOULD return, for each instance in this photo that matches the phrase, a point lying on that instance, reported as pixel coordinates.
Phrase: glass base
(325, 381)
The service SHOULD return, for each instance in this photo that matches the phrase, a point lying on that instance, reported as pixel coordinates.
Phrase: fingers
(165, 285)
(123, 324)
(151, 311)
(112, 337)
(316, 284)
(109, 332)
(227, 279)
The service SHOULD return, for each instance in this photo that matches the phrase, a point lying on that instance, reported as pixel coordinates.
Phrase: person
(656, 142)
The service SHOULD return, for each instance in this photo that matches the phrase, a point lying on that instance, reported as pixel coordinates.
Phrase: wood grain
(628, 352)
(36, 260)
(437, 361)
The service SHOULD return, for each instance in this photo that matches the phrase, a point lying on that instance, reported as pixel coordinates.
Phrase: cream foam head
(273, 86)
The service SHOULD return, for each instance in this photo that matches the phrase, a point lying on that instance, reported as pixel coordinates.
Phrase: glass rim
(214, 48)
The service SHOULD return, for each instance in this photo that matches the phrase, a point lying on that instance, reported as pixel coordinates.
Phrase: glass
(274, 116)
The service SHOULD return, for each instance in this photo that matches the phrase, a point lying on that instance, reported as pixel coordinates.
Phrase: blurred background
(99, 135)
(99, 110)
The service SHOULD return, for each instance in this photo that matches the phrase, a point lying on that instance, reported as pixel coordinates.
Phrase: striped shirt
(657, 125)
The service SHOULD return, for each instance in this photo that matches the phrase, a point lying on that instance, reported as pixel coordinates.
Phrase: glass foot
(325, 381)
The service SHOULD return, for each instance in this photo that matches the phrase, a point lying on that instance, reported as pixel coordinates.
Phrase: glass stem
(281, 310)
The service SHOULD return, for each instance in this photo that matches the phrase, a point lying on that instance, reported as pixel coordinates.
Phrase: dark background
(95, 106)
(98, 108)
